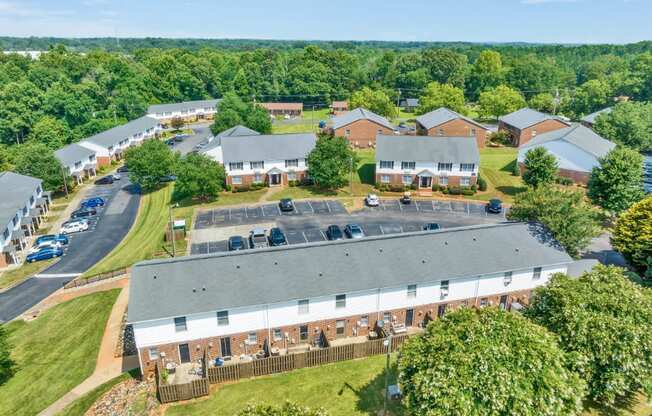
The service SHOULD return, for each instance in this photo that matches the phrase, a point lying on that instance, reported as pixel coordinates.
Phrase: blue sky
(571, 21)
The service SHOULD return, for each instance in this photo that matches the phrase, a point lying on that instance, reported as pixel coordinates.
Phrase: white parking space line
(304, 236)
(323, 235)
(381, 230)
(279, 210)
(311, 208)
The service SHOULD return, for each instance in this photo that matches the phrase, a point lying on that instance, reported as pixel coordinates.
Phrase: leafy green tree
(604, 322)
(5, 158)
(632, 234)
(565, 213)
(149, 162)
(7, 365)
(540, 167)
(51, 132)
(437, 95)
(38, 160)
(20, 109)
(258, 120)
(487, 72)
(331, 161)
(544, 102)
(373, 100)
(629, 124)
(446, 66)
(177, 123)
(618, 182)
(233, 111)
(225, 119)
(591, 96)
(286, 409)
(487, 362)
(198, 176)
(499, 101)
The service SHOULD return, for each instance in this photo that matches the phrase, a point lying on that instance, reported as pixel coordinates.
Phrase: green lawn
(14, 276)
(82, 404)
(54, 353)
(496, 166)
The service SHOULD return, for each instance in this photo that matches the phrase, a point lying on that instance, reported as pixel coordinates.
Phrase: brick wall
(362, 133)
(397, 179)
(457, 128)
(248, 180)
(521, 137)
(576, 176)
(103, 161)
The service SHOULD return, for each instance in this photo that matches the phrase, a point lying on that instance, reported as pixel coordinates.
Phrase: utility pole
(351, 176)
(65, 182)
(174, 251)
(556, 101)
(398, 106)
(387, 342)
(312, 117)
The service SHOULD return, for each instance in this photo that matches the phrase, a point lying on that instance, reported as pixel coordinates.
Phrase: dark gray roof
(577, 135)
(360, 114)
(15, 191)
(117, 134)
(206, 283)
(410, 102)
(236, 131)
(443, 115)
(427, 149)
(526, 117)
(593, 116)
(73, 153)
(579, 267)
(186, 105)
(267, 147)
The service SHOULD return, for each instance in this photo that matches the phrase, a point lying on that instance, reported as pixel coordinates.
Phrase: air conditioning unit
(444, 293)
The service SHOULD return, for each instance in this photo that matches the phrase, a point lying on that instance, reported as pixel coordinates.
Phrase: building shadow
(366, 173)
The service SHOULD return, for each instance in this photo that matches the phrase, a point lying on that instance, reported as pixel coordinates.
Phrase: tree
(632, 234)
(604, 322)
(374, 100)
(177, 123)
(487, 362)
(617, 182)
(499, 101)
(565, 213)
(224, 120)
(331, 161)
(233, 111)
(6, 363)
(591, 96)
(287, 409)
(487, 72)
(540, 167)
(258, 120)
(149, 162)
(544, 102)
(38, 160)
(629, 124)
(438, 95)
(445, 66)
(51, 132)
(198, 176)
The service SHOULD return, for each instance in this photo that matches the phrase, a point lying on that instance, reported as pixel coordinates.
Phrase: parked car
(353, 231)
(495, 206)
(431, 226)
(44, 245)
(169, 142)
(334, 232)
(236, 243)
(406, 198)
(83, 213)
(116, 177)
(61, 239)
(277, 238)
(179, 137)
(107, 180)
(286, 205)
(257, 238)
(44, 254)
(93, 202)
(75, 226)
(123, 169)
(372, 200)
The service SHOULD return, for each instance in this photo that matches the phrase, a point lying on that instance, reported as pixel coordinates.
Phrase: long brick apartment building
(360, 127)
(448, 123)
(523, 125)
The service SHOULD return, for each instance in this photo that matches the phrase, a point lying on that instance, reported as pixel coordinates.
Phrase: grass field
(496, 166)
(14, 276)
(54, 353)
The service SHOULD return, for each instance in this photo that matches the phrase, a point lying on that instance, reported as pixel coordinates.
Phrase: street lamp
(172, 236)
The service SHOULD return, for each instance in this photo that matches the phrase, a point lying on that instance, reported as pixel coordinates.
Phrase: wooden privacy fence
(176, 392)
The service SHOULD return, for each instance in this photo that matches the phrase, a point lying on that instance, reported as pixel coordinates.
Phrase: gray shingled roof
(526, 117)
(206, 283)
(267, 147)
(577, 135)
(117, 134)
(591, 117)
(360, 114)
(410, 102)
(427, 149)
(236, 131)
(186, 105)
(15, 190)
(443, 115)
(73, 153)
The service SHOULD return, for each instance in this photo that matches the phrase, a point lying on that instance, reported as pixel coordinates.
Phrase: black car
(123, 169)
(107, 180)
(406, 199)
(277, 238)
(286, 205)
(334, 232)
(236, 243)
(169, 142)
(495, 206)
(83, 213)
(431, 226)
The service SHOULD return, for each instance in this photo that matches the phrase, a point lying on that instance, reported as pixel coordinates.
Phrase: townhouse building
(339, 107)
(283, 109)
(360, 127)
(188, 111)
(447, 123)
(424, 161)
(409, 104)
(523, 125)
(271, 159)
(294, 297)
(590, 119)
(23, 202)
(80, 162)
(214, 147)
(111, 144)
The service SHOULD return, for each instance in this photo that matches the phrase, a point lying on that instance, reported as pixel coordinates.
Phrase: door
(441, 310)
(303, 333)
(425, 182)
(184, 353)
(225, 346)
(340, 328)
(409, 317)
(503, 302)
(275, 179)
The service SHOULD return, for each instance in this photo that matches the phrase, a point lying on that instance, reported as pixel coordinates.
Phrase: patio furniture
(171, 366)
(219, 362)
(398, 328)
(372, 335)
(394, 392)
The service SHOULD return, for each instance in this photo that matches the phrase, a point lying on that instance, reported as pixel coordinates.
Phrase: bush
(242, 188)
(482, 184)
(293, 183)
(383, 187)
(397, 188)
(257, 186)
(436, 188)
(474, 188)
(227, 188)
(455, 190)
(413, 186)
(561, 180)
(468, 191)
(444, 190)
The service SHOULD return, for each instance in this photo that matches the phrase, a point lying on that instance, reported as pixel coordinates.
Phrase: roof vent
(380, 249)
(445, 243)
(237, 266)
(346, 254)
(194, 290)
(423, 261)
(475, 239)
(154, 277)
(320, 274)
(516, 249)
(275, 263)
(203, 289)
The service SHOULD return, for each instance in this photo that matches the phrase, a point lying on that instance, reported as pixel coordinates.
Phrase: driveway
(202, 132)
(107, 229)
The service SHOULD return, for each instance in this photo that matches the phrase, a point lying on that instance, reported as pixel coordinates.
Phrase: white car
(74, 227)
(45, 244)
(116, 177)
(372, 200)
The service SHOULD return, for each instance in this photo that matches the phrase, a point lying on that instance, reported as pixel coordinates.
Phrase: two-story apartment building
(424, 161)
(360, 127)
(236, 303)
(283, 109)
(22, 205)
(523, 125)
(590, 119)
(448, 123)
(79, 161)
(188, 111)
(110, 145)
(214, 147)
(272, 159)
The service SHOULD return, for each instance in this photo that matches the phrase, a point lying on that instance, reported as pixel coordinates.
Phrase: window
(236, 165)
(347, 132)
(412, 291)
(31, 198)
(364, 320)
(445, 167)
(387, 164)
(467, 167)
(441, 132)
(303, 333)
(441, 310)
(257, 165)
(180, 324)
(340, 325)
(472, 132)
(443, 180)
(222, 318)
(258, 178)
(534, 133)
(277, 334)
(537, 273)
(304, 306)
(407, 179)
(384, 179)
(387, 317)
(408, 165)
(292, 176)
(380, 131)
(465, 181)
(483, 302)
(153, 353)
(77, 165)
(507, 279)
(252, 338)
(292, 163)
(6, 234)
(340, 301)
(443, 288)
(236, 180)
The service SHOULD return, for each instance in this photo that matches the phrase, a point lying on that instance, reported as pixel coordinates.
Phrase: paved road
(85, 249)
(202, 132)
